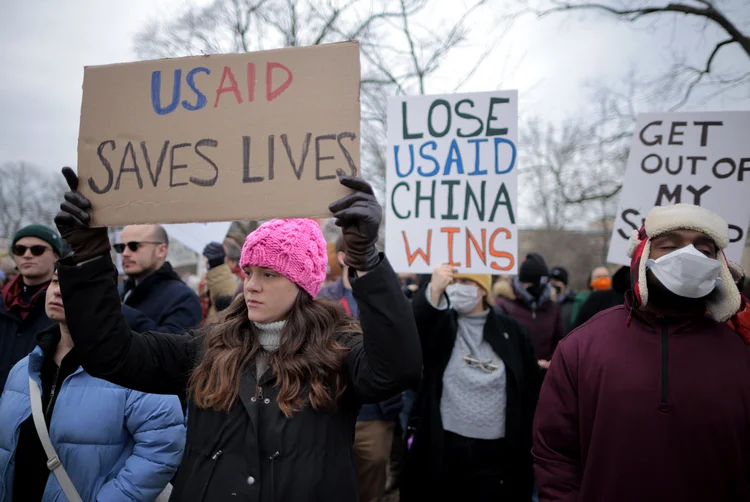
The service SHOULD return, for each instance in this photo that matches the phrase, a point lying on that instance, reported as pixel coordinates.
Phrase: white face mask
(463, 297)
(686, 272)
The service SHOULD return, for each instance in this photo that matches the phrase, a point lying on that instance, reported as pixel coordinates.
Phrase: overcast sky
(47, 43)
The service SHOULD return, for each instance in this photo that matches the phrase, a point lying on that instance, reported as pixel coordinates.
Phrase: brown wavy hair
(307, 365)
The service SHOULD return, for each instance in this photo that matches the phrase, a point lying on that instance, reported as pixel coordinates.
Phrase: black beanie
(559, 274)
(534, 269)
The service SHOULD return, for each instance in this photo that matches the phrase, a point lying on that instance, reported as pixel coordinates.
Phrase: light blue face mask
(463, 297)
(686, 272)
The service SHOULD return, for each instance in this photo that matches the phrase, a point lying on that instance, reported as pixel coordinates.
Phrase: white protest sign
(452, 182)
(694, 158)
(196, 235)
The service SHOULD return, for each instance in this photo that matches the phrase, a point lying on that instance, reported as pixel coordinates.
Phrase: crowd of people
(279, 381)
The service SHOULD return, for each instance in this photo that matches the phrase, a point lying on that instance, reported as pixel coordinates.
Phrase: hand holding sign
(359, 215)
(73, 223)
(442, 277)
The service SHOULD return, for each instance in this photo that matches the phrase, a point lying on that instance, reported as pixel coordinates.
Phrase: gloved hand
(215, 254)
(73, 223)
(359, 215)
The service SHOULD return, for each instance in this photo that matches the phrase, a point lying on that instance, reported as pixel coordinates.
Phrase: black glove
(215, 254)
(73, 223)
(359, 215)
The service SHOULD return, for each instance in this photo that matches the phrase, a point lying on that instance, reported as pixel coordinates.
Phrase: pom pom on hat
(295, 248)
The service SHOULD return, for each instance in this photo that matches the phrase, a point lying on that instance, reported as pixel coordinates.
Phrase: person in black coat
(274, 388)
(599, 301)
(469, 432)
(154, 298)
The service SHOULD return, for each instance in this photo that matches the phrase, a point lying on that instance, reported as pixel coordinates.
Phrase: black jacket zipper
(214, 461)
(664, 365)
(52, 395)
(273, 468)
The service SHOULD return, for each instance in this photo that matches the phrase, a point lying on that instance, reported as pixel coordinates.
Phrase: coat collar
(47, 341)
(249, 396)
(164, 273)
(12, 302)
(533, 303)
(654, 321)
(496, 335)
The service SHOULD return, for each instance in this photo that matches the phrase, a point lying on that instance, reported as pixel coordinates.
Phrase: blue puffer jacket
(116, 444)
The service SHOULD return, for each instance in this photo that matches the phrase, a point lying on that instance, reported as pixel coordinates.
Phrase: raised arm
(149, 362)
(388, 359)
(157, 363)
(431, 309)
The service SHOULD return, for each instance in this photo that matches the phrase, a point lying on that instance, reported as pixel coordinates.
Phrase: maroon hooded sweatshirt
(657, 411)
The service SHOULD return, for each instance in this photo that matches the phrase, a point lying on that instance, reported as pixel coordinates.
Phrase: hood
(503, 289)
(621, 280)
(46, 341)
(533, 303)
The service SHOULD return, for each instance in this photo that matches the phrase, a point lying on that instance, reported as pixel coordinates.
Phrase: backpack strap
(53, 463)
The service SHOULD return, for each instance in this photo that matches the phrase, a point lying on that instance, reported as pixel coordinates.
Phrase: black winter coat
(161, 302)
(438, 330)
(253, 453)
(18, 336)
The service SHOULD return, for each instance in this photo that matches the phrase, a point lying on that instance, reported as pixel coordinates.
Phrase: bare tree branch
(701, 73)
(709, 12)
(27, 195)
(402, 44)
(681, 78)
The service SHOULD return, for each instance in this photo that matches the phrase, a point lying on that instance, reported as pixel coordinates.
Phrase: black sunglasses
(37, 250)
(132, 245)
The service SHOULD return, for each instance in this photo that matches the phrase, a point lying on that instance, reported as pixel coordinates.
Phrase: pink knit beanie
(294, 248)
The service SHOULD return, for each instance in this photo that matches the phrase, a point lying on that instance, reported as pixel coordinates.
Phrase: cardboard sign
(693, 158)
(452, 182)
(197, 235)
(219, 138)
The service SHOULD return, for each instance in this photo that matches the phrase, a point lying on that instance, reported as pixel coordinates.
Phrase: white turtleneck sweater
(269, 336)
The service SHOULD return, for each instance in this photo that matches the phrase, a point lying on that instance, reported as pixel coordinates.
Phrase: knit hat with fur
(724, 301)
(295, 248)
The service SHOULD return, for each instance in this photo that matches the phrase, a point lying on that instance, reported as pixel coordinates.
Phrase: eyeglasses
(37, 250)
(132, 245)
(486, 366)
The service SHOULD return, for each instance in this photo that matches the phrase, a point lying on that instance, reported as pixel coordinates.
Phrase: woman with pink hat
(275, 386)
